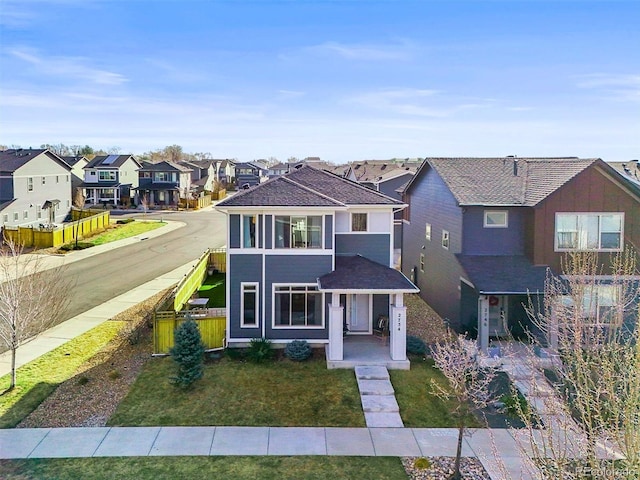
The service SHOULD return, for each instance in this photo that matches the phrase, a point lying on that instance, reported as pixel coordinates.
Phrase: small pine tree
(188, 353)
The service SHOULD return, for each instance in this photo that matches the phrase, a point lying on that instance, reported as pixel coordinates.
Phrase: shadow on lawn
(27, 403)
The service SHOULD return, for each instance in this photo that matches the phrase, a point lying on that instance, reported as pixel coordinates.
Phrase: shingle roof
(504, 273)
(373, 171)
(308, 187)
(12, 159)
(360, 273)
(505, 180)
(164, 166)
(72, 160)
(112, 161)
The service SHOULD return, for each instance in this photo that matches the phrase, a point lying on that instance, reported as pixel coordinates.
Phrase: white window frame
(292, 246)
(5, 218)
(486, 224)
(25, 214)
(446, 239)
(579, 231)
(256, 287)
(422, 262)
(30, 184)
(295, 327)
(427, 232)
(366, 226)
(255, 232)
(591, 304)
(106, 176)
(16, 216)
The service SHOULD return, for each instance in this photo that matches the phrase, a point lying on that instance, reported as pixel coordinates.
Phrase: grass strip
(196, 468)
(124, 231)
(37, 379)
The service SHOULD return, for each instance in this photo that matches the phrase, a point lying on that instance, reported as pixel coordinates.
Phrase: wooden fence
(211, 322)
(92, 221)
(195, 203)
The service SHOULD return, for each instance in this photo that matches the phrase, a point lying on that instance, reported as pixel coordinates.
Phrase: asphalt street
(102, 277)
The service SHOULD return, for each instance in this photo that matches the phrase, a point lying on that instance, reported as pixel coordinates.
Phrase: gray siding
(234, 231)
(374, 246)
(478, 240)
(432, 202)
(243, 268)
(328, 231)
(294, 269)
(268, 232)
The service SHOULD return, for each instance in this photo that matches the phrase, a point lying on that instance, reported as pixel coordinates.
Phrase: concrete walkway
(378, 397)
(178, 441)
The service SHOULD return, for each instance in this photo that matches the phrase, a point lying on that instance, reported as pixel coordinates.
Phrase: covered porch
(362, 293)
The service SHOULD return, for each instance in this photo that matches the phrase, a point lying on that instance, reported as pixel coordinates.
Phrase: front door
(359, 313)
(498, 315)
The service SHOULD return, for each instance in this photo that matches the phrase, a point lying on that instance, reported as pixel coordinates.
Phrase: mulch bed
(442, 467)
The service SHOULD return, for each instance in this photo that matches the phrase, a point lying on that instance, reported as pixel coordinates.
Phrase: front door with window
(359, 313)
(498, 315)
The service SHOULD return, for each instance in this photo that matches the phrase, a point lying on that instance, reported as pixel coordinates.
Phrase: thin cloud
(68, 67)
(624, 87)
(364, 52)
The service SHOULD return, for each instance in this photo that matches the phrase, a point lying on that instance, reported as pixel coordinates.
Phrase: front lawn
(196, 468)
(234, 392)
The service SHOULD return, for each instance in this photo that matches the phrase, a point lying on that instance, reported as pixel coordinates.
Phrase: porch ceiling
(504, 274)
(356, 273)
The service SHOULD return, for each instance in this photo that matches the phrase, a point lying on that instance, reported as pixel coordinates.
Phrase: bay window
(297, 306)
(589, 231)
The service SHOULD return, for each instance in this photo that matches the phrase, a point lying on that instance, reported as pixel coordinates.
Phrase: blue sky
(343, 80)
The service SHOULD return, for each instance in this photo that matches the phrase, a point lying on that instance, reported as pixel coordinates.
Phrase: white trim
(464, 280)
(257, 306)
(295, 327)
(368, 290)
(448, 236)
(555, 233)
(351, 230)
(349, 309)
(255, 231)
(506, 219)
(427, 229)
(289, 249)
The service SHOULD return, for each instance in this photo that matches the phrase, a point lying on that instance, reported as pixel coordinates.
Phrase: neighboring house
(77, 164)
(111, 179)
(249, 174)
(164, 183)
(203, 174)
(226, 171)
(309, 256)
(629, 170)
(280, 169)
(481, 233)
(35, 187)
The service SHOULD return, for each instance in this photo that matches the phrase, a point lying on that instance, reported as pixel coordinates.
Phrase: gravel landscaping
(442, 467)
(423, 321)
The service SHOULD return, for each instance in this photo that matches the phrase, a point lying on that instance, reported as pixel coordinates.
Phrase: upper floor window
(161, 176)
(445, 239)
(359, 222)
(249, 231)
(5, 218)
(145, 174)
(496, 219)
(427, 232)
(106, 175)
(298, 231)
(589, 231)
(57, 179)
(30, 184)
(44, 180)
(422, 262)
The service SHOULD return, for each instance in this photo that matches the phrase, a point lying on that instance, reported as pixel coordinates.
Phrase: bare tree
(468, 386)
(79, 201)
(589, 322)
(32, 298)
(144, 202)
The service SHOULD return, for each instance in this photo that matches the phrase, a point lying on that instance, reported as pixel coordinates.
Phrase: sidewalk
(285, 441)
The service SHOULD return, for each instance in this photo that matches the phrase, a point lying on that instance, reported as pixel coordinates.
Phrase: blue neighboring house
(309, 256)
(480, 234)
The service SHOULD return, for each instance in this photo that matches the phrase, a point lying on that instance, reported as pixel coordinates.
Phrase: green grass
(124, 231)
(419, 408)
(37, 379)
(233, 392)
(214, 289)
(196, 468)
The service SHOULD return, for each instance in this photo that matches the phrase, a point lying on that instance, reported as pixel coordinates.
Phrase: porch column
(398, 329)
(335, 328)
(483, 322)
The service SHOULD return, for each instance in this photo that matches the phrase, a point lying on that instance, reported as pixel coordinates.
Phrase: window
(25, 214)
(38, 212)
(422, 262)
(44, 180)
(5, 218)
(496, 219)
(589, 231)
(358, 222)
(145, 174)
(427, 232)
(106, 175)
(30, 184)
(67, 178)
(249, 231)
(16, 216)
(445, 239)
(249, 305)
(57, 179)
(161, 177)
(68, 203)
(297, 306)
(599, 304)
(298, 232)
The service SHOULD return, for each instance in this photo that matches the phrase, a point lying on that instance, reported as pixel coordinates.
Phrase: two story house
(309, 256)
(111, 179)
(481, 233)
(249, 174)
(203, 174)
(164, 183)
(35, 187)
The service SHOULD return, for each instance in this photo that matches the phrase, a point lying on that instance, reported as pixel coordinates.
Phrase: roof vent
(515, 166)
